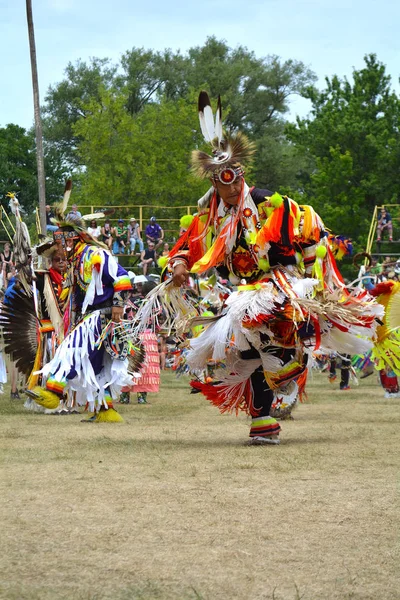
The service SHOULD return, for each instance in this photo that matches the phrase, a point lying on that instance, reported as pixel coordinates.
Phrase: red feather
(385, 287)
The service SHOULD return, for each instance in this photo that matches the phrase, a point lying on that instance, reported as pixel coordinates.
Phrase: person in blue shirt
(384, 224)
(154, 233)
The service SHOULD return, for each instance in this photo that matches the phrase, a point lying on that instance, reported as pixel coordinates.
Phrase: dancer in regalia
(98, 354)
(290, 297)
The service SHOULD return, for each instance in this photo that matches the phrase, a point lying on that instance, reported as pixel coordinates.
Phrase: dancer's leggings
(344, 371)
(263, 395)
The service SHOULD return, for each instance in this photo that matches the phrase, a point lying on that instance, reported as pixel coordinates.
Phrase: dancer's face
(229, 192)
(58, 262)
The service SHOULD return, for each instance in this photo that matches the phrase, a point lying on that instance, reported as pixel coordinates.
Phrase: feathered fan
(20, 331)
(137, 358)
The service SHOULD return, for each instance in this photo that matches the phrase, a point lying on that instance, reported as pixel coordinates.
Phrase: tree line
(124, 132)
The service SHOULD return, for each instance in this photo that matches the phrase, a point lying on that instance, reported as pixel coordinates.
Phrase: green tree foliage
(66, 102)
(352, 141)
(254, 93)
(255, 90)
(142, 159)
(17, 164)
(18, 167)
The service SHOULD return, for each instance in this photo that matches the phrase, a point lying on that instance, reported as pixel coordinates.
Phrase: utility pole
(38, 121)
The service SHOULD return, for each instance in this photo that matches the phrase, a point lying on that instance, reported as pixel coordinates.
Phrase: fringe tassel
(166, 300)
(227, 398)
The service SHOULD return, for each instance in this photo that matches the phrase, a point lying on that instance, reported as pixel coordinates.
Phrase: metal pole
(38, 122)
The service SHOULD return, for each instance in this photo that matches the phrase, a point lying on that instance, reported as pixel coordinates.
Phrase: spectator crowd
(124, 238)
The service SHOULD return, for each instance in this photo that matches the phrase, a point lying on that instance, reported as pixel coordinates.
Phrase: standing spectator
(7, 262)
(106, 234)
(94, 230)
(120, 237)
(384, 222)
(154, 233)
(134, 235)
(74, 214)
(148, 257)
(49, 216)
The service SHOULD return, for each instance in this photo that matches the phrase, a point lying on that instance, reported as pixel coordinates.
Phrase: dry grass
(173, 504)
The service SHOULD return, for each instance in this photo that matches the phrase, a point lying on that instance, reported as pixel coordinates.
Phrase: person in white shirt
(135, 236)
(94, 229)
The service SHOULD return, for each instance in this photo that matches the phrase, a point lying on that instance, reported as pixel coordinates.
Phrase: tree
(142, 159)
(18, 171)
(18, 165)
(353, 142)
(254, 91)
(67, 102)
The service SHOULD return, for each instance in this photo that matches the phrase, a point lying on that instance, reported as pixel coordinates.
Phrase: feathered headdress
(229, 153)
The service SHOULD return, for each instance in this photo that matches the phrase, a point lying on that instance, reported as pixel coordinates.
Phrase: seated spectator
(384, 223)
(148, 257)
(134, 236)
(94, 230)
(74, 214)
(106, 234)
(165, 251)
(49, 215)
(7, 261)
(387, 269)
(154, 232)
(120, 237)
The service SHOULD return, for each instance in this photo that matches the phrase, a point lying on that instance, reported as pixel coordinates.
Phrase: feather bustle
(67, 194)
(206, 117)
(218, 121)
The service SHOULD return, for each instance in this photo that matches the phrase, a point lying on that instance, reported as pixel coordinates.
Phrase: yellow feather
(109, 416)
(45, 398)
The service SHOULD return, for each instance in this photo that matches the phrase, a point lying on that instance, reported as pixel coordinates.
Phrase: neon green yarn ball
(276, 200)
(162, 261)
(263, 264)
(186, 221)
(320, 252)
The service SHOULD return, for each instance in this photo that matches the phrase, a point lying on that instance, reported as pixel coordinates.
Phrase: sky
(329, 36)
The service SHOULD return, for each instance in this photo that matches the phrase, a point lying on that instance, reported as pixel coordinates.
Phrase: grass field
(172, 504)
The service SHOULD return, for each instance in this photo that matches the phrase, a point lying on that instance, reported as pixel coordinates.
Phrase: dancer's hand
(180, 275)
(117, 314)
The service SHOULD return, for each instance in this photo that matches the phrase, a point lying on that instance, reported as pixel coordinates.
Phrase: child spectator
(7, 261)
(106, 234)
(120, 237)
